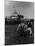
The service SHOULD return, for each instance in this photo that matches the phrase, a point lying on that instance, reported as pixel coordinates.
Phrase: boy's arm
(18, 28)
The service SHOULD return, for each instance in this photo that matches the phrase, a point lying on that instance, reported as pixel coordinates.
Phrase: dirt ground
(12, 37)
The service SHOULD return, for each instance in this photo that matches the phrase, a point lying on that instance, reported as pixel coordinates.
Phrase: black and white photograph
(19, 22)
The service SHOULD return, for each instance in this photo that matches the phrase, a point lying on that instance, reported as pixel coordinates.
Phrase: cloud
(23, 8)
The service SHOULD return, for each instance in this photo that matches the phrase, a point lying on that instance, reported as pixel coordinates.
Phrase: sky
(24, 8)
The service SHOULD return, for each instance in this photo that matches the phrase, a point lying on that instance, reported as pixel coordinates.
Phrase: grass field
(12, 37)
